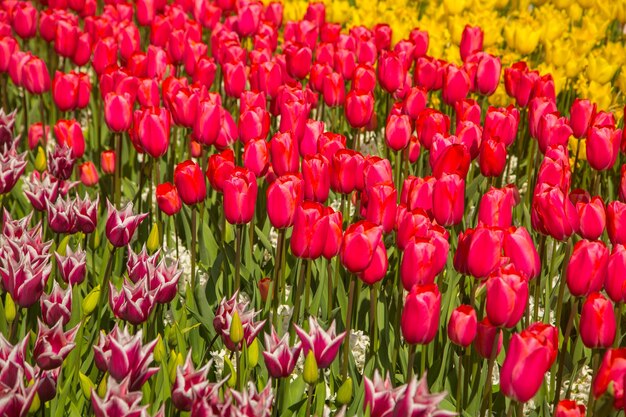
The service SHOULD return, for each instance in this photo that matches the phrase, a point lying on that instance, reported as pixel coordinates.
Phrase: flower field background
(384, 209)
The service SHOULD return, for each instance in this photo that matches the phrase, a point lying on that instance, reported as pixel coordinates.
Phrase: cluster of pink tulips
(209, 211)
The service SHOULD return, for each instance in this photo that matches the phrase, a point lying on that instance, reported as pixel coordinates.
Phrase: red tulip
(530, 356)
(569, 408)
(520, 82)
(492, 159)
(553, 131)
(420, 314)
(381, 205)
(597, 322)
(421, 263)
(398, 132)
(449, 199)
(152, 127)
(359, 108)
(316, 176)
(284, 153)
(463, 325)
(616, 222)
(488, 69)
(88, 174)
(220, 167)
(334, 90)
(254, 123)
(456, 84)
(256, 156)
(592, 218)
(507, 296)
(538, 108)
(471, 41)
(377, 269)
(71, 91)
(183, 106)
(168, 199)
(615, 284)
(429, 123)
(69, 133)
(25, 19)
(391, 71)
(107, 162)
(307, 238)
(298, 58)
(587, 268)
(283, 196)
(190, 182)
(358, 248)
(118, 111)
(467, 110)
(35, 76)
(334, 233)
(206, 127)
(496, 207)
(552, 213)
(240, 192)
(519, 248)
(603, 147)
(610, 376)
(582, 114)
(485, 340)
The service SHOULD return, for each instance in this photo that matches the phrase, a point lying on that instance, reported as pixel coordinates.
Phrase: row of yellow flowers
(580, 42)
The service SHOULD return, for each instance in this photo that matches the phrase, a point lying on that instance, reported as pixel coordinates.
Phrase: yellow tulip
(454, 6)
(600, 70)
(586, 4)
(621, 81)
(563, 4)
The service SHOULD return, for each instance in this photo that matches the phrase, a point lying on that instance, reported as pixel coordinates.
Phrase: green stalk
(307, 288)
(459, 383)
(194, 231)
(568, 329)
(618, 319)
(373, 329)
(309, 400)
(411, 363)
(331, 289)
(346, 342)
(591, 400)
(487, 402)
(238, 239)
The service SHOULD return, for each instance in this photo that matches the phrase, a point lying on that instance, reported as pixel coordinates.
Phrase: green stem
(307, 288)
(559, 377)
(459, 383)
(331, 289)
(346, 342)
(194, 231)
(487, 403)
(276, 290)
(411, 363)
(591, 400)
(618, 319)
(373, 311)
(309, 400)
(238, 257)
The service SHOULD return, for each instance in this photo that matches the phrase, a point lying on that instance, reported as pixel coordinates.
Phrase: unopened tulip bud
(102, 387)
(90, 302)
(154, 239)
(40, 160)
(229, 370)
(344, 394)
(86, 385)
(9, 308)
(253, 353)
(159, 350)
(236, 329)
(311, 372)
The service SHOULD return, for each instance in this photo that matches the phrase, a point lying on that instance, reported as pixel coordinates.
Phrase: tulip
(380, 397)
(56, 306)
(134, 302)
(507, 295)
(71, 91)
(359, 244)
(582, 114)
(240, 192)
(298, 58)
(610, 376)
(552, 213)
(466, 110)
(519, 248)
(553, 131)
(189, 182)
(152, 127)
(417, 192)
(492, 157)
(283, 196)
(234, 79)
(398, 132)
(519, 82)
(124, 357)
(377, 269)
(429, 123)
(496, 207)
(381, 205)
(334, 90)
(73, 266)
(615, 284)
(168, 199)
(488, 71)
(220, 166)
(256, 156)
(121, 224)
(471, 41)
(184, 106)
(538, 108)
(530, 356)
(284, 153)
(501, 123)
(616, 222)
(307, 238)
(391, 71)
(323, 343)
(414, 398)
(226, 312)
(592, 218)
(463, 325)
(449, 199)
(597, 322)
(315, 173)
(485, 340)
(280, 359)
(190, 384)
(86, 212)
(569, 408)
(420, 314)
(254, 123)
(107, 161)
(602, 147)
(345, 167)
(359, 108)
(421, 263)
(69, 133)
(40, 188)
(117, 111)
(555, 169)
(587, 268)
(483, 252)
(35, 76)
(456, 84)
(206, 125)
(61, 216)
(88, 174)
(52, 345)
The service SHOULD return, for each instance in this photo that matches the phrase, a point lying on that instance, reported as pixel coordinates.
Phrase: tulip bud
(159, 350)
(9, 308)
(40, 160)
(154, 239)
(236, 329)
(102, 387)
(90, 302)
(36, 404)
(344, 394)
(253, 353)
(311, 372)
(107, 162)
(86, 385)
(229, 370)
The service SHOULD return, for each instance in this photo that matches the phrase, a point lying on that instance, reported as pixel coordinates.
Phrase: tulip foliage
(212, 208)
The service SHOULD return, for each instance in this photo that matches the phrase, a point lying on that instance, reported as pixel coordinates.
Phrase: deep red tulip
(240, 192)
(152, 127)
(569, 408)
(358, 248)
(463, 325)
(190, 182)
(298, 58)
(456, 84)
(168, 199)
(69, 133)
(597, 322)
(519, 82)
(118, 111)
(220, 166)
(307, 238)
(587, 268)
(603, 147)
(391, 71)
(507, 296)
(449, 199)
(615, 284)
(359, 108)
(616, 222)
(71, 91)
(492, 157)
(283, 196)
(582, 114)
(471, 41)
(420, 314)
(610, 376)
